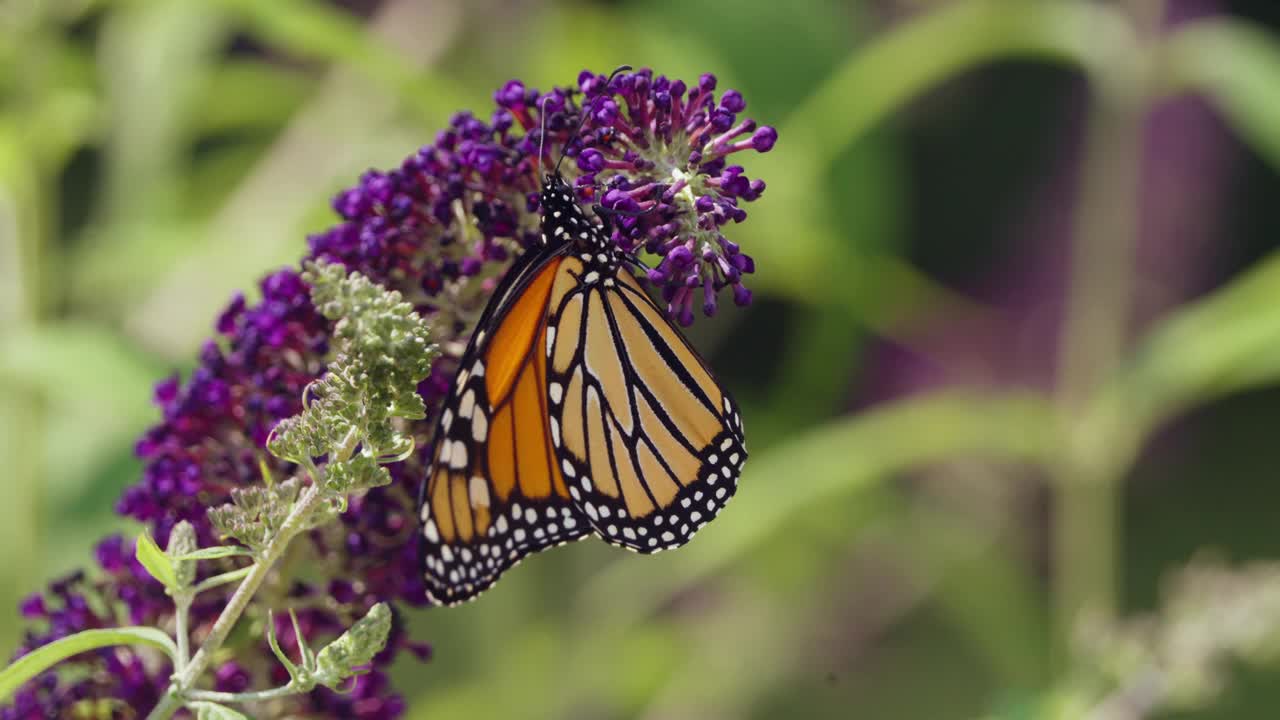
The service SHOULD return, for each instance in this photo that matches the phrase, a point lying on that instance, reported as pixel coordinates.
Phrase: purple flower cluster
(440, 229)
(123, 677)
(661, 148)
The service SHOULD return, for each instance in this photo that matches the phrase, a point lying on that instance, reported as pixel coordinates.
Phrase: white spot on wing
(479, 492)
(459, 459)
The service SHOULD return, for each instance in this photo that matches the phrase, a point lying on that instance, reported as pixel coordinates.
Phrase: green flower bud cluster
(255, 513)
(382, 353)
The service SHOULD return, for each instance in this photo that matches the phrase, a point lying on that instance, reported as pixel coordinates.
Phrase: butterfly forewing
(496, 493)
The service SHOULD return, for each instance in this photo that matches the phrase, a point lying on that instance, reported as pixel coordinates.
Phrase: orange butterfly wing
(496, 492)
(650, 444)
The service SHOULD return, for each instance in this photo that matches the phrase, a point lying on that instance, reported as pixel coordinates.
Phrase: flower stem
(1095, 327)
(185, 680)
(245, 697)
(223, 579)
(181, 614)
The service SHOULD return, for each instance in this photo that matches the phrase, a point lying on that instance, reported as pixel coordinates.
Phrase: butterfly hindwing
(651, 446)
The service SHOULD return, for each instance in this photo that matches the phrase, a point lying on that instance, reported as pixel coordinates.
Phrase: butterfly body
(577, 409)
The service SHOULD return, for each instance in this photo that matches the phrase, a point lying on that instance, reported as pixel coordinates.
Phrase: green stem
(1091, 344)
(227, 698)
(184, 681)
(181, 615)
(223, 579)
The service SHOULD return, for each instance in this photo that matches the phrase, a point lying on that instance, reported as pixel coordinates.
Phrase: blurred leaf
(43, 658)
(1224, 343)
(240, 94)
(875, 82)
(69, 360)
(1237, 65)
(935, 46)
(98, 389)
(844, 456)
(152, 60)
(974, 572)
(21, 228)
(313, 29)
(159, 565)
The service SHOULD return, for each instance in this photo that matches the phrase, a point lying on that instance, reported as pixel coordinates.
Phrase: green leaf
(317, 30)
(1224, 343)
(1236, 64)
(155, 561)
(900, 65)
(264, 470)
(872, 85)
(214, 711)
(354, 648)
(43, 658)
(213, 553)
(295, 674)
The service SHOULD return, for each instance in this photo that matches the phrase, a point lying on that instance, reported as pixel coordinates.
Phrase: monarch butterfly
(578, 408)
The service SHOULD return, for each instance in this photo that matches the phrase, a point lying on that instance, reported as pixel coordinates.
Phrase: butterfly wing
(650, 445)
(495, 492)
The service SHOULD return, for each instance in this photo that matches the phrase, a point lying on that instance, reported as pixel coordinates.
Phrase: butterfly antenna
(583, 119)
(542, 139)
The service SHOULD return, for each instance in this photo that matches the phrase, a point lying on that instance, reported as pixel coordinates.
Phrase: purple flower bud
(111, 554)
(680, 257)
(230, 677)
(33, 607)
(764, 138)
(721, 120)
(605, 112)
(733, 102)
(591, 160)
(510, 95)
(166, 390)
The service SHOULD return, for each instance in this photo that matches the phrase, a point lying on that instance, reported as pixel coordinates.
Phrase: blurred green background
(1014, 355)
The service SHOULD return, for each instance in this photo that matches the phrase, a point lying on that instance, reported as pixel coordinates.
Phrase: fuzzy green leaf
(341, 658)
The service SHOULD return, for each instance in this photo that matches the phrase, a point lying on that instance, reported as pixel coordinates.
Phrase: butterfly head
(562, 217)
